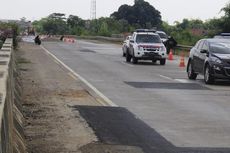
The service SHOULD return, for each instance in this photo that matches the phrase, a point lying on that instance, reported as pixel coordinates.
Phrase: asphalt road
(186, 113)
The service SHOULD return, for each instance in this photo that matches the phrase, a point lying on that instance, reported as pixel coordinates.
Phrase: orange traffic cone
(170, 55)
(182, 63)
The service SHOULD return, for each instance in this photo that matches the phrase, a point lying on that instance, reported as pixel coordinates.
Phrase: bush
(1, 43)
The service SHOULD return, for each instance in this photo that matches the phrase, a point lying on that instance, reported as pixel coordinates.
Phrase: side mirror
(204, 51)
(132, 41)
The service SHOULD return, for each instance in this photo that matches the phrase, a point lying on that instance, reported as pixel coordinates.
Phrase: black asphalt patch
(118, 126)
(164, 85)
(86, 51)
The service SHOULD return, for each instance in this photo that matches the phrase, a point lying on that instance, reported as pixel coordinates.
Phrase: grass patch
(23, 61)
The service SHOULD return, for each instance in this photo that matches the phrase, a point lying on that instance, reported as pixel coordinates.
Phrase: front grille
(227, 61)
(152, 49)
(151, 54)
(227, 70)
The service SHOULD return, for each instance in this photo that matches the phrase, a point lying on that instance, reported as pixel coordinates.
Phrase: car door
(196, 56)
(203, 56)
(131, 44)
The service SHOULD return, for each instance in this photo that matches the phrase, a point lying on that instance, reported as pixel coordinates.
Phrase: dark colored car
(211, 58)
(223, 36)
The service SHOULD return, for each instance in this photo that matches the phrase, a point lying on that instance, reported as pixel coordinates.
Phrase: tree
(54, 24)
(104, 31)
(75, 21)
(57, 16)
(140, 14)
(226, 19)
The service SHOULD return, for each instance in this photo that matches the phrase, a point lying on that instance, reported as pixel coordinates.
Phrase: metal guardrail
(101, 38)
(183, 47)
(11, 118)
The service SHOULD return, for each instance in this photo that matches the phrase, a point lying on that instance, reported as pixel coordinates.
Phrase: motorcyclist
(37, 40)
(170, 44)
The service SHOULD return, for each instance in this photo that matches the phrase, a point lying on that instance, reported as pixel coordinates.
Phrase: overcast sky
(171, 10)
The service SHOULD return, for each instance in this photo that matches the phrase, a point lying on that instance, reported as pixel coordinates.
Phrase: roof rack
(146, 30)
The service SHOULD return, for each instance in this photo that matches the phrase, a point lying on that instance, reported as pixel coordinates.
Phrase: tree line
(128, 18)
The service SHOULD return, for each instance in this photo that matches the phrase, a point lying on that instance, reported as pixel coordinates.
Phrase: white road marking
(72, 76)
(183, 80)
(128, 64)
(178, 80)
(106, 99)
(165, 77)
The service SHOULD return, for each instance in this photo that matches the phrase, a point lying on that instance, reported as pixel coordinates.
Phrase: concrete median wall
(12, 136)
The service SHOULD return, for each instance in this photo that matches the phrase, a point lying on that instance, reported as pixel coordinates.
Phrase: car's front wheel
(191, 74)
(162, 61)
(208, 78)
(128, 57)
(154, 61)
(134, 60)
(124, 52)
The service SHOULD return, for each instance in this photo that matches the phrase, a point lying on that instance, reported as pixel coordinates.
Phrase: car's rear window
(220, 48)
(162, 35)
(145, 38)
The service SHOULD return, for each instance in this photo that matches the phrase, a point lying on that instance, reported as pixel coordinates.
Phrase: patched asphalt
(165, 85)
(117, 126)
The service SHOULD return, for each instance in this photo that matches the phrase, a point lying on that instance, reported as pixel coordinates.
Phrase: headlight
(140, 48)
(216, 60)
(162, 49)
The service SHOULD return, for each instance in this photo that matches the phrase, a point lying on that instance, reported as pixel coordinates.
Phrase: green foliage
(141, 14)
(75, 21)
(1, 43)
(225, 21)
(128, 18)
(54, 24)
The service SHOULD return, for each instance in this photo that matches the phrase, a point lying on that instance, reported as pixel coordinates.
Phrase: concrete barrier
(118, 40)
(11, 118)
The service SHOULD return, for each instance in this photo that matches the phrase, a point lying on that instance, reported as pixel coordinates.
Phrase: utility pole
(93, 10)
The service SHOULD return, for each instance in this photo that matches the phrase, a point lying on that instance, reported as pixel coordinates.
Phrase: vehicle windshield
(148, 39)
(163, 36)
(220, 48)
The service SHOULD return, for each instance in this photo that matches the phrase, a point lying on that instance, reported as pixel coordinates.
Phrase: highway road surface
(187, 114)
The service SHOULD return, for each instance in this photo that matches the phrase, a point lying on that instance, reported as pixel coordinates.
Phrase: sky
(171, 10)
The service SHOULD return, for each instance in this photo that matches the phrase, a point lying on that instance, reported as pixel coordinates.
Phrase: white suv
(146, 45)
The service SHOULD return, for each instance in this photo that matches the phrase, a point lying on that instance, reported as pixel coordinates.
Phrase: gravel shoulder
(48, 94)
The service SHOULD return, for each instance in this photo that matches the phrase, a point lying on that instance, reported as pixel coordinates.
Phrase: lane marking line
(128, 64)
(183, 80)
(72, 76)
(168, 78)
(106, 99)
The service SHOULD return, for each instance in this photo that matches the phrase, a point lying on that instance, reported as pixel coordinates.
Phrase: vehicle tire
(208, 78)
(134, 60)
(191, 74)
(154, 61)
(128, 57)
(162, 61)
(124, 52)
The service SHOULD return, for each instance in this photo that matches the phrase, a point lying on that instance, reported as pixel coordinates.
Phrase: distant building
(25, 26)
(198, 32)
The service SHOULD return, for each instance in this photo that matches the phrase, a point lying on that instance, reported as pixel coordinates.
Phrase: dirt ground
(48, 94)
